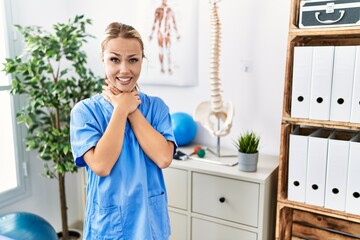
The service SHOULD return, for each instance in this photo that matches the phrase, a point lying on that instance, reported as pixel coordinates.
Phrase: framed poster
(169, 29)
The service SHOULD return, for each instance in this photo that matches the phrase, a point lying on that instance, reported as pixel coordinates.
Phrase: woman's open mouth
(124, 81)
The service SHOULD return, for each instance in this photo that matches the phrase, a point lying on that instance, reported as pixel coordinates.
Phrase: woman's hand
(111, 87)
(126, 101)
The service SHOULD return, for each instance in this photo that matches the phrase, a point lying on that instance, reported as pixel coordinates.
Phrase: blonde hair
(116, 29)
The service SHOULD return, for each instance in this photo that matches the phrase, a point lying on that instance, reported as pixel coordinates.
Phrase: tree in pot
(247, 145)
(52, 74)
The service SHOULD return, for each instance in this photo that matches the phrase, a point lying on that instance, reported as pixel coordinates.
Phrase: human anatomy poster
(169, 29)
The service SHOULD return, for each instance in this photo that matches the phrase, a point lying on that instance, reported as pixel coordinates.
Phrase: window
(12, 162)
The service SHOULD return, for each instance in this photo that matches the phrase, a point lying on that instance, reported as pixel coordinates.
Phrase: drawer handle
(222, 199)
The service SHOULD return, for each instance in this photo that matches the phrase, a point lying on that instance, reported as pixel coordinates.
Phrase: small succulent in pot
(248, 142)
(248, 151)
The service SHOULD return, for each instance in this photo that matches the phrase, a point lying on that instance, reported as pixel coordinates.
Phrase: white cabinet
(214, 202)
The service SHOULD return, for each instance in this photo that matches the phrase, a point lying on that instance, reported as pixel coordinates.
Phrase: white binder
(321, 82)
(301, 82)
(298, 148)
(342, 83)
(337, 168)
(355, 103)
(316, 167)
(353, 181)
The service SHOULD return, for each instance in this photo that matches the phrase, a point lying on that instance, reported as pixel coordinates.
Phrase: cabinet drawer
(225, 198)
(179, 226)
(176, 185)
(202, 229)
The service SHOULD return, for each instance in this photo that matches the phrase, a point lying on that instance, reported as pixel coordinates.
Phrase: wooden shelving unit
(298, 220)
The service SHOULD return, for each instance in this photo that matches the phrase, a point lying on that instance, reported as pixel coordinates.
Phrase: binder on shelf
(321, 82)
(342, 83)
(337, 169)
(355, 103)
(301, 82)
(316, 167)
(298, 149)
(353, 187)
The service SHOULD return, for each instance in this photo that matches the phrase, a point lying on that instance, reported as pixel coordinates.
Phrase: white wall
(253, 32)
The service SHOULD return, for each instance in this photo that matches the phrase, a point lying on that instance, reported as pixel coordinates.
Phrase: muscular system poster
(169, 29)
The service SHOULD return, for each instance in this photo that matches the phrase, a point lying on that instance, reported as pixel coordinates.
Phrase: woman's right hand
(111, 87)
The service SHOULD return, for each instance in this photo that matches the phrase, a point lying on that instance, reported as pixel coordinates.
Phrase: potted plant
(53, 76)
(248, 151)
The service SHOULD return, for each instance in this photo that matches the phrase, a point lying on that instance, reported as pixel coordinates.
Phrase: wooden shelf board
(336, 31)
(321, 123)
(319, 210)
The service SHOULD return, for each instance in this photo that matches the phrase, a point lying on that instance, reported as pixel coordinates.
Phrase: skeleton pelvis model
(217, 123)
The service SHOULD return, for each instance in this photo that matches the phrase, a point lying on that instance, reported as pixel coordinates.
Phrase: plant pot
(248, 161)
(74, 234)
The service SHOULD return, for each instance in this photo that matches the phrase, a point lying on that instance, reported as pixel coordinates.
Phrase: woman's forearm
(155, 145)
(103, 157)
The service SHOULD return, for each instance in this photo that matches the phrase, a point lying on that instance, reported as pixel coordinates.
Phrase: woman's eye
(114, 60)
(133, 60)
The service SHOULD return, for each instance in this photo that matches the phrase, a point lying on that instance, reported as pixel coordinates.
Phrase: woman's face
(122, 59)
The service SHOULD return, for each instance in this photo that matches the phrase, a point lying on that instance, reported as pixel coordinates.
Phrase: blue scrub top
(130, 203)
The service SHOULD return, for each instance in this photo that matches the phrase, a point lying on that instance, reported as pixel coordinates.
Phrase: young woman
(124, 138)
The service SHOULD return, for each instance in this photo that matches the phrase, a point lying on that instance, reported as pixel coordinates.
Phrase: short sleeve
(163, 123)
(84, 132)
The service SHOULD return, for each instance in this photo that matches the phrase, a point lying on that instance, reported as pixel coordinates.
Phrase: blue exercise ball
(185, 128)
(26, 226)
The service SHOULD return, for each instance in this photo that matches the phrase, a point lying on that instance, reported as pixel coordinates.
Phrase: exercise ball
(26, 226)
(185, 128)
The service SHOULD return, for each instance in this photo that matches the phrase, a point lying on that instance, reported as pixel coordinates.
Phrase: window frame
(19, 131)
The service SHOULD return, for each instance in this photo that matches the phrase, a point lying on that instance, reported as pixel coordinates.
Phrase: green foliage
(248, 142)
(52, 73)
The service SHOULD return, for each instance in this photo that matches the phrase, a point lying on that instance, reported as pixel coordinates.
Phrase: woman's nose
(124, 67)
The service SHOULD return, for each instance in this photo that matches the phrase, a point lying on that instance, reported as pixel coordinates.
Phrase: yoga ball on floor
(26, 226)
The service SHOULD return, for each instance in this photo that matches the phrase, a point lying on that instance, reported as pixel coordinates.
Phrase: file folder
(298, 149)
(337, 169)
(355, 103)
(301, 82)
(353, 181)
(342, 83)
(321, 83)
(316, 167)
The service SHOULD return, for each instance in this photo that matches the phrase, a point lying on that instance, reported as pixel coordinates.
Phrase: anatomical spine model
(215, 110)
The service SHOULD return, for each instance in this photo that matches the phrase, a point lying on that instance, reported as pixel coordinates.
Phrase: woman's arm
(102, 158)
(154, 144)
(156, 147)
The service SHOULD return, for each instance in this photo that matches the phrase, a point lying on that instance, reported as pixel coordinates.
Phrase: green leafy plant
(248, 142)
(53, 76)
